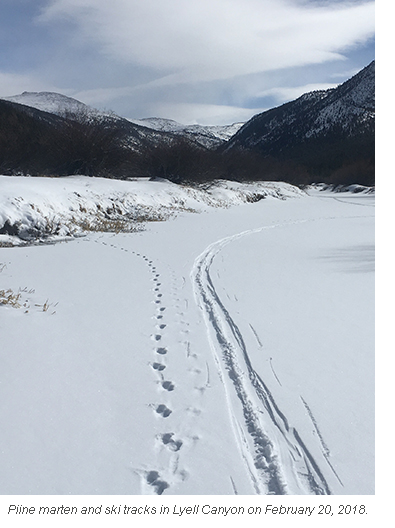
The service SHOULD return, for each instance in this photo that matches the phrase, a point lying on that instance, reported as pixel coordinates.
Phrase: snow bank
(53, 208)
(354, 188)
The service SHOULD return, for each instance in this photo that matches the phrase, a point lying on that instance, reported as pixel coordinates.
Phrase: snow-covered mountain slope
(350, 106)
(33, 125)
(53, 103)
(61, 105)
(159, 123)
(339, 113)
(222, 353)
(209, 136)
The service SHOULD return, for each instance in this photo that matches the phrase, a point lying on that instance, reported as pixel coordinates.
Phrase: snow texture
(226, 352)
(51, 102)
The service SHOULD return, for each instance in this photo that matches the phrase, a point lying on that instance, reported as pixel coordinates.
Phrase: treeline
(37, 143)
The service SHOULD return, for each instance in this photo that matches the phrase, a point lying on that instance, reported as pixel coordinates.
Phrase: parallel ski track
(258, 423)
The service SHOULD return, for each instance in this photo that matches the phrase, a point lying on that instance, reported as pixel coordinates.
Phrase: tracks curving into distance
(276, 458)
(166, 470)
(274, 454)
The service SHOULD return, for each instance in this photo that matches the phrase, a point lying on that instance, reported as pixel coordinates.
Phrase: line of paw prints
(169, 440)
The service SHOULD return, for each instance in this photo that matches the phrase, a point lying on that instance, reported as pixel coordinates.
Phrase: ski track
(342, 200)
(262, 431)
(325, 449)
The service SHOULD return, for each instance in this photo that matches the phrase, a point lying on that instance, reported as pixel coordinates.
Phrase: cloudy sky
(195, 61)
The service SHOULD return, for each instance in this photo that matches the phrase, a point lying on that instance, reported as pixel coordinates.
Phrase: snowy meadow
(168, 340)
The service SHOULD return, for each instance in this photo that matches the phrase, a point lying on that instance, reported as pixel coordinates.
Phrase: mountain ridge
(314, 112)
(209, 136)
(324, 135)
(324, 132)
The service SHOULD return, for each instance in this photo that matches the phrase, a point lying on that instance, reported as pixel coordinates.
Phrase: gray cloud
(192, 57)
(205, 40)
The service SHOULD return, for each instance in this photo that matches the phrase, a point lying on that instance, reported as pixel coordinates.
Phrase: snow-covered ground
(230, 351)
(52, 208)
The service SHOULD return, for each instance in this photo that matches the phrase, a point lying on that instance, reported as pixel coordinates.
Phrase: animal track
(163, 410)
(194, 411)
(167, 440)
(154, 480)
(168, 385)
(158, 366)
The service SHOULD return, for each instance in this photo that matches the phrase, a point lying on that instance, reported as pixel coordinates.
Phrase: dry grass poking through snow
(9, 297)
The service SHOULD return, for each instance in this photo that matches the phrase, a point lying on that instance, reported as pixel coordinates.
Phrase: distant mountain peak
(51, 102)
(207, 135)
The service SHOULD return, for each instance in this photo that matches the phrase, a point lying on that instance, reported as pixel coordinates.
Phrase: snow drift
(44, 208)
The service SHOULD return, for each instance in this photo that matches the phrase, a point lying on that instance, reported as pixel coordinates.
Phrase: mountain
(68, 108)
(49, 133)
(62, 105)
(25, 134)
(70, 139)
(209, 136)
(51, 102)
(324, 131)
(323, 136)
